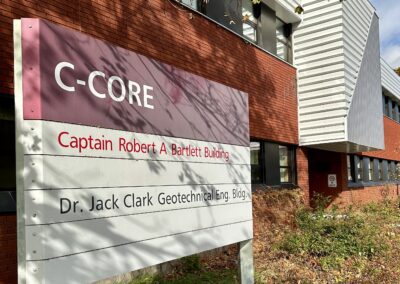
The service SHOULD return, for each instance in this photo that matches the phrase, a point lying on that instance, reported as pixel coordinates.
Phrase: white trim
(18, 96)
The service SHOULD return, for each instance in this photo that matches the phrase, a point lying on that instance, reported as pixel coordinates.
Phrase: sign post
(123, 161)
(246, 262)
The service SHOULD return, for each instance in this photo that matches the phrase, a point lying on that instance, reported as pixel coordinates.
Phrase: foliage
(299, 9)
(189, 271)
(383, 212)
(191, 264)
(203, 277)
(320, 202)
(397, 70)
(143, 279)
(333, 237)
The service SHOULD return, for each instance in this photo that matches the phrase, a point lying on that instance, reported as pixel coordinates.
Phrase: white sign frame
(36, 255)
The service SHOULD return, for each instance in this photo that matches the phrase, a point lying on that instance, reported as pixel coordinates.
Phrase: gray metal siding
(336, 52)
(365, 123)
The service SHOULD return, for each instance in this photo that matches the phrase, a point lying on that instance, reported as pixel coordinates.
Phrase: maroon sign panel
(111, 87)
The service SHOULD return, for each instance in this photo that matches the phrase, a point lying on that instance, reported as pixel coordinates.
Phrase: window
(398, 112)
(350, 168)
(359, 169)
(249, 21)
(7, 156)
(394, 107)
(380, 170)
(283, 42)
(391, 108)
(392, 171)
(284, 164)
(366, 169)
(371, 169)
(397, 171)
(386, 106)
(257, 23)
(271, 163)
(255, 161)
(190, 3)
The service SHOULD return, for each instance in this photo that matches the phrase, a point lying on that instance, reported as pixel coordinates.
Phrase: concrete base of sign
(246, 262)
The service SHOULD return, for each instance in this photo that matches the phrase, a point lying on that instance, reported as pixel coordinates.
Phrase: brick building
(317, 103)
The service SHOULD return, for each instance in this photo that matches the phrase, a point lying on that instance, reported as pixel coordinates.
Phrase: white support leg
(246, 262)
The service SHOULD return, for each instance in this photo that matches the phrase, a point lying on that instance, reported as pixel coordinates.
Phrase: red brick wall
(392, 142)
(363, 195)
(302, 173)
(322, 163)
(170, 33)
(8, 249)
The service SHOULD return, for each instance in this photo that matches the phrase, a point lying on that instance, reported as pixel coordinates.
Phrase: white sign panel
(332, 181)
(122, 161)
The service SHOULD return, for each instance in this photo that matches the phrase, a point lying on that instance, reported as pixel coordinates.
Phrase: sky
(389, 25)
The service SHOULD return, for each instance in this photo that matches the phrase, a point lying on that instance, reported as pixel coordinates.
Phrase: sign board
(123, 161)
(332, 181)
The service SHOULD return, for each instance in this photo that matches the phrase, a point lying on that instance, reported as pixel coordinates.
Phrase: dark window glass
(385, 170)
(249, 21)
(350, 168)
(386, 106)
(255, 161)
(283, 40)
(366, 169)
(359, 168)
(394, 106)
(258, 23)
(380, 170)
(191, 3)
(7, 163)
(285, 164)
(391, 170)
(271, 163)
(371, 169)
(398, 112)
(7, 155)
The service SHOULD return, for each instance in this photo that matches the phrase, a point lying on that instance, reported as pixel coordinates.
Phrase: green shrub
(191, 264)
(143, 279)
(386, 210)
(203, 277)
(332, 237)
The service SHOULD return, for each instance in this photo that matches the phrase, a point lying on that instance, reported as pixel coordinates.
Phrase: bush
(387, 210)
(332, 237)
(191, 264)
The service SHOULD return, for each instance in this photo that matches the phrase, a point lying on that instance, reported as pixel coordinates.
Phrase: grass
(190, 271)
(334, 237)
(356, 245)
(200, 277)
